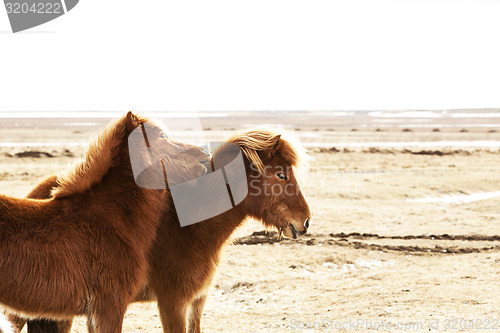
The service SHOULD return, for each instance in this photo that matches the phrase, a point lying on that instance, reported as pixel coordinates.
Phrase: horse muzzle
(294, 229)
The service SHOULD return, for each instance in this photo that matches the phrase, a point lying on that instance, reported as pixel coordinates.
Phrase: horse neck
(118, 178)
(215, 232)
(143, 206)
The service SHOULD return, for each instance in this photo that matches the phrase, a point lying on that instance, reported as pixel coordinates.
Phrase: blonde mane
(261, 139)
(89, 170)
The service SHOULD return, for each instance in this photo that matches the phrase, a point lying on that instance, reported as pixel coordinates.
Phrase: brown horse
(184, 259)
(84, 250)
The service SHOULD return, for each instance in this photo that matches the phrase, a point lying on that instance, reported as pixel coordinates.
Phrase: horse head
(274, 194)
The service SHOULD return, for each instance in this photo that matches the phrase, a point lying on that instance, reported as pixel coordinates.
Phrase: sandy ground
(375, 255)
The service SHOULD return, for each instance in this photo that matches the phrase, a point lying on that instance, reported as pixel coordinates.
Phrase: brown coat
(82, 251)
(184, 259)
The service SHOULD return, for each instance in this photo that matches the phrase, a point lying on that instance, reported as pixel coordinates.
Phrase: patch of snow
(406, 114)
(403, 144)
(374, 263)
(458, 198)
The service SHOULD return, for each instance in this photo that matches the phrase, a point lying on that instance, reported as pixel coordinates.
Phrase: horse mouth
(291, 232)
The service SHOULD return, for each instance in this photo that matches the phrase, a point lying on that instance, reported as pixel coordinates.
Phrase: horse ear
(131, 121)
(269, 153)
(277, 143)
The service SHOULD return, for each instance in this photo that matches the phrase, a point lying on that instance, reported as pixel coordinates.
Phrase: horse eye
(282, 175)
(163, 135)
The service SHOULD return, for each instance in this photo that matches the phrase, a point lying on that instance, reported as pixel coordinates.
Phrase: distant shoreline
(494, 112)
(484, 120)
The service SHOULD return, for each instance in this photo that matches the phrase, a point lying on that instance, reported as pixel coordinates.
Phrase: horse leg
(106, 318)
(195, 314)
(172, 315)
(105, 324)
(49, 326)
(64, 326)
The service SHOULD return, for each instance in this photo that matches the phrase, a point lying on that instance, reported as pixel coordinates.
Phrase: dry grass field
(404, 238)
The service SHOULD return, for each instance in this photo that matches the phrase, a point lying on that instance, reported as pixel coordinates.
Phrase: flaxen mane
(263, 139)
(89, 170)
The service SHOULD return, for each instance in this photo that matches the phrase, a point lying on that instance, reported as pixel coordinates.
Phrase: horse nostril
(307, 223)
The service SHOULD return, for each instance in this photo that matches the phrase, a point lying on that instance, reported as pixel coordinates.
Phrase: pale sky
(256, 55)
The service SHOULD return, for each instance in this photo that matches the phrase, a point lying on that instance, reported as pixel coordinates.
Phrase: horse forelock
(89, 170)
(252, 141)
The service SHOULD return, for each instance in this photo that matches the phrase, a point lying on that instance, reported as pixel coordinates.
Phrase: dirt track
(450, 244)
